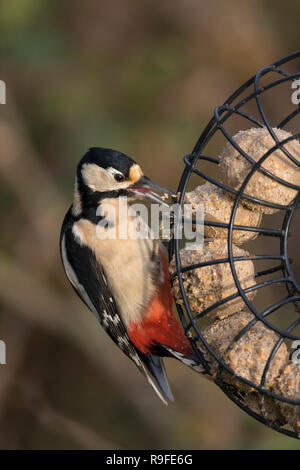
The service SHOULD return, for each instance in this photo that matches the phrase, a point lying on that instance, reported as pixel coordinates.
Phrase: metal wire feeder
(252, 92)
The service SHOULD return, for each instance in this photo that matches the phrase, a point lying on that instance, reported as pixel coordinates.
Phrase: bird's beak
(152, 190)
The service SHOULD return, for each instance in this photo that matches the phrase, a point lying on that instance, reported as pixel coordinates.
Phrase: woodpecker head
(105, 173)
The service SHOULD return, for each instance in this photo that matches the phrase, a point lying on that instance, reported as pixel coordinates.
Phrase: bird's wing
(88, 279)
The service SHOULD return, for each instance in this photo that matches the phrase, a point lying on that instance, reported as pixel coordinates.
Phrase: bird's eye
(119, 178)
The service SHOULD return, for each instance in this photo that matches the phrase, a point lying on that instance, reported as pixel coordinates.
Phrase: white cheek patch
(95, 177)
(100, 179)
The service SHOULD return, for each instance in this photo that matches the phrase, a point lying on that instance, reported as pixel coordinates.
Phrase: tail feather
(158, 377)
(189, 360)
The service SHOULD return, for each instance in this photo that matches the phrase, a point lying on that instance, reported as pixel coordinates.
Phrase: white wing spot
(116, 319)
(104, 319)
(108, 318)
(135, 359)
(122, 342)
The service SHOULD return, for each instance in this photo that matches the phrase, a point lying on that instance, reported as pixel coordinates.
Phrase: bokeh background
(143, 77)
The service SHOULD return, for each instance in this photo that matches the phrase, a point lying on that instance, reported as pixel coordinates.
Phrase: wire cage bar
(202, 164)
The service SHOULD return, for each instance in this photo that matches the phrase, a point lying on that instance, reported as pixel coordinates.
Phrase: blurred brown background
(143, 77)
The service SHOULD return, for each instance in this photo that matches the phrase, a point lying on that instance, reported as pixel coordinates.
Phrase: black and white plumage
(119, 279)
(85, 272)
(88, 280)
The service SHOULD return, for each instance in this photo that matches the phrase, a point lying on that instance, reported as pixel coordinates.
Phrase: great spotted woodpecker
(124, 281)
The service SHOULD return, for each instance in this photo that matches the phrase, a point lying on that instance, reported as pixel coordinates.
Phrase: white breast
(128, 266)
